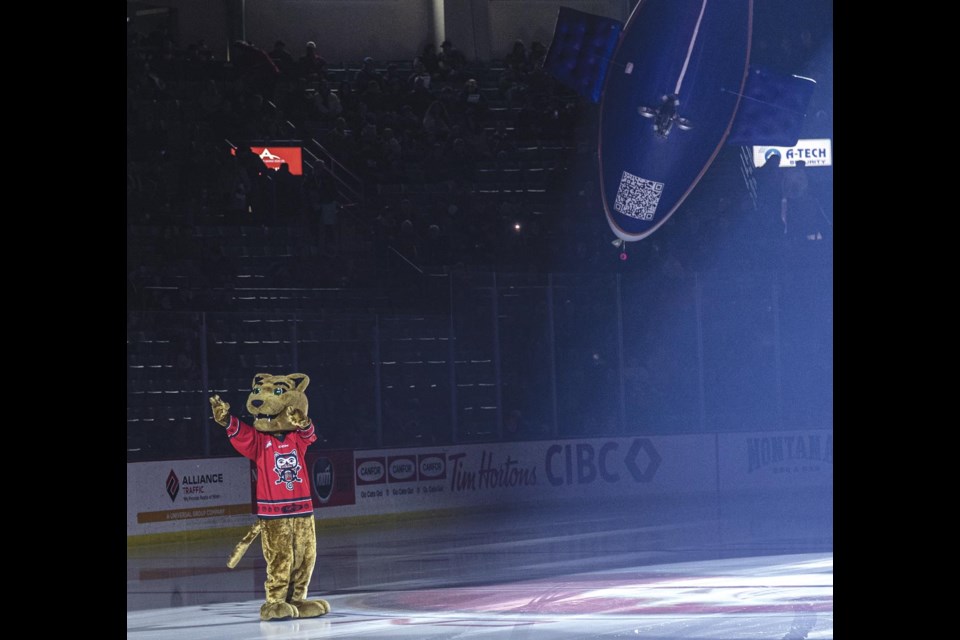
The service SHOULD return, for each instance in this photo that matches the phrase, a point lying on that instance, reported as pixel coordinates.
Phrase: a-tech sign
(484, 473)
(813, 152)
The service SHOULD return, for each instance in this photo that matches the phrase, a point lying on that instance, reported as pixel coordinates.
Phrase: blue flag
(772, 109)
(581, 50)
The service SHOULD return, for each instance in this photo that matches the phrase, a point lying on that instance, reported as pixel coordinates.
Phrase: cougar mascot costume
(277, 443)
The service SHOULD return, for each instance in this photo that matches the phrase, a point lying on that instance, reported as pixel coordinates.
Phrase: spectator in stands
(536, 78)
(366, 74)
(370, 150)
(295, 97)
(237, 207)
(255, 69)
(408, 212)
(311, 62)
(452, 61)
(407, 120)
(802, 215)
(429, 58)
(476, 141)
(326, 105)
(282, 58)
(348, 97)
(512, 85)
(252, 115)
(211, 100)
(517, 58)
(529, 123)
(372, 98)
(256, 181)
(394, 97)
(288, 193)
(459, 160)
(436, 122)
(420, 76)
(538, 54)
(321, 196)
(471, 105)
(392, 152)
(339, 140)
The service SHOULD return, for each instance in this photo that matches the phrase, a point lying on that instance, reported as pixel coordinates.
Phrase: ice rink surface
(760, 567)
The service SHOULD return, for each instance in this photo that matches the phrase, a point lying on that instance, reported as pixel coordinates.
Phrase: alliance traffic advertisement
(185, 495)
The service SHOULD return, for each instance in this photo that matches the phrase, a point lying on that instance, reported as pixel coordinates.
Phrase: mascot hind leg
(304, 560)
(290, 549)
(277, 540)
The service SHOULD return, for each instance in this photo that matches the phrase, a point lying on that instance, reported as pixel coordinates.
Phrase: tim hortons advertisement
(441, 477)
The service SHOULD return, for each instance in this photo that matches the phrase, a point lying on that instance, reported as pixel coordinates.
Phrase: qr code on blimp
(637, 197)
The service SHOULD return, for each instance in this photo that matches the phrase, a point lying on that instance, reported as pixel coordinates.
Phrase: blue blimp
(674, 85)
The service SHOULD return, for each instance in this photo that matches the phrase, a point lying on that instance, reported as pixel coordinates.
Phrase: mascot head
(270, 397)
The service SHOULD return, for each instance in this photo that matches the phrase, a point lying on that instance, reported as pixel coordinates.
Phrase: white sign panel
(417, 479)
(775, 460)
(188, 495)
(814, 152)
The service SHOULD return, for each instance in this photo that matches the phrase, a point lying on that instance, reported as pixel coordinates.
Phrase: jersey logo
(287, 467)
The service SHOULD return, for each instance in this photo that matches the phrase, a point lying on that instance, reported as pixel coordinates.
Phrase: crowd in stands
(437, 163)
(460, 163)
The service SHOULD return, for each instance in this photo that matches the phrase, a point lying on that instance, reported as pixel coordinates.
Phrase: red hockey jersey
(283, 484)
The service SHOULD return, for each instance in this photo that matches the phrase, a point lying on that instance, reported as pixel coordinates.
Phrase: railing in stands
(349, 185)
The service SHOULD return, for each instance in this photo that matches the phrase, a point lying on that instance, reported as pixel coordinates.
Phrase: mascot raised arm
(277, 443)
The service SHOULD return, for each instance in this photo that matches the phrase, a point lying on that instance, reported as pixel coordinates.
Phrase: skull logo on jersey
(287, 467)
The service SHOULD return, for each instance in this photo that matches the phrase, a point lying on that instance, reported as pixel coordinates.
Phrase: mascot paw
(297, 418)
(311, 608)
(278, 611)
(221, 411)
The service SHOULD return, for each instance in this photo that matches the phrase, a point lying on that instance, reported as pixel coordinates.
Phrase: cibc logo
(432, 467)
(323, 478)
(371, 471)
(173, 486)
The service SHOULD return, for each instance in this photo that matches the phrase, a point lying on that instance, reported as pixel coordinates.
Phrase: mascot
(277, 443)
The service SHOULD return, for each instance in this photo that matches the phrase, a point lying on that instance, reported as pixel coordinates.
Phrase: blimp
(674, 85)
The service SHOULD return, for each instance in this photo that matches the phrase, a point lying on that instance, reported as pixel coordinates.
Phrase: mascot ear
(258, 379)
(301, 380)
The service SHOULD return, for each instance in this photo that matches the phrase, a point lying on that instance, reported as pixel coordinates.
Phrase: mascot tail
(241, 547)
